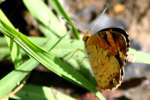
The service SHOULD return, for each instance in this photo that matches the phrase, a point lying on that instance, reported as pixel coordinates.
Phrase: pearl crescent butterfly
(106, 51)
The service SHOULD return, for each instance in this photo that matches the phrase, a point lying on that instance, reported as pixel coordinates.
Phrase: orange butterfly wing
(107, 53)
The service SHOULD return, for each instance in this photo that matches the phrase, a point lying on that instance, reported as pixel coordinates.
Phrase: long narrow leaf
(14, 49)
(60, 10)
(139, 57)
(10, 81)
(44, 15)
(41, 93)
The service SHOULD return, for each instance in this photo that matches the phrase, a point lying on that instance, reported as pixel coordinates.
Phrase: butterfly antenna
(104, 11)
(95, 23)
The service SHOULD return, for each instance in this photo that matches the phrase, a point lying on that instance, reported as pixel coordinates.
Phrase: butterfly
(107, 51)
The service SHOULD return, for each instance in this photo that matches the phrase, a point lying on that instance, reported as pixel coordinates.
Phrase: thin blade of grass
(10, 81)
(41, 93)
(14, 49)
(46, 18)
(139, 57)
(60, 10)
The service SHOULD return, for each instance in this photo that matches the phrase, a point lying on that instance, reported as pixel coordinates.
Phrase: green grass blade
(49, 60)
(45, 17)
(4, 52)
(60, 10)
(139, 57)
(10, 81)
(14, 49)
(41, 93)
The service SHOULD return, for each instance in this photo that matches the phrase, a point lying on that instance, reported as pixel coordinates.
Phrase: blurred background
(135, 14)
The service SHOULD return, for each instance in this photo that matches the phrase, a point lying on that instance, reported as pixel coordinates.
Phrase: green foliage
(50, 55)
(40, 93)
(55, 51)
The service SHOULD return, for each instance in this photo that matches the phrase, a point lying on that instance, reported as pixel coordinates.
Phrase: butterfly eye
(85, 38)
